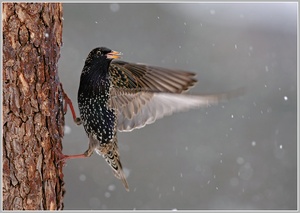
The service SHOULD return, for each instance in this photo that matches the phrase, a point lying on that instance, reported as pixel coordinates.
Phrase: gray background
(237, 155)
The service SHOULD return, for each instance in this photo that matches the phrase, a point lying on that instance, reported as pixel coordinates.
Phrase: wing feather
(144, 77)
(135, 115)
(141, 94)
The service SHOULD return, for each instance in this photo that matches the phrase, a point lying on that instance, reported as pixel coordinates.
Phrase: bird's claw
(60, 155)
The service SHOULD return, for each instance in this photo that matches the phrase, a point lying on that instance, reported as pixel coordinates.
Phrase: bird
(115, 95)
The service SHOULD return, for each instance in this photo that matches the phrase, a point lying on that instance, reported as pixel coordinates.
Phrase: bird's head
(98, 61)
(103, 54)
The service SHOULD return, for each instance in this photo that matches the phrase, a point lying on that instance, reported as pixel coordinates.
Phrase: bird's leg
(92, 144)
(68, 101)
(63, 157)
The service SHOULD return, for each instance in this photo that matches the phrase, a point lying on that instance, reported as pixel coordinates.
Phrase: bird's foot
(61, 157)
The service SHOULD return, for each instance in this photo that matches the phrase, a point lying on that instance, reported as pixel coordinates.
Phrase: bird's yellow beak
(113, 54)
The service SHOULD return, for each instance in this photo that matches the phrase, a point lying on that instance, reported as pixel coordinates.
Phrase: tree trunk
(33, 117)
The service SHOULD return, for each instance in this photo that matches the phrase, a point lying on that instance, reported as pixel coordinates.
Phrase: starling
(121, 96)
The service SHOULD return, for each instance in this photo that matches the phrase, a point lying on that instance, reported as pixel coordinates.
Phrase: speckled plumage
(120, 96)
(98, 118)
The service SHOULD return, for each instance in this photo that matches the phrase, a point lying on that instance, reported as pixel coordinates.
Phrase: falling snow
(67, 130)
(114, 7)
(111, 187)
(240, 160)
(267, 68)
(82, 177)
(240, 151)
(279, 152)
(107, 194)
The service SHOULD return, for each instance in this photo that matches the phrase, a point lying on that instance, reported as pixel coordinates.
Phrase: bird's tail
(112, 157)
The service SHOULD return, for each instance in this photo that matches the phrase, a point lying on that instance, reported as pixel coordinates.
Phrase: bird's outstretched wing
(143, 77)
(142, 94)
(144, 108)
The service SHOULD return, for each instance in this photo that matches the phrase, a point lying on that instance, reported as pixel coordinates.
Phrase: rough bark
(33, 117)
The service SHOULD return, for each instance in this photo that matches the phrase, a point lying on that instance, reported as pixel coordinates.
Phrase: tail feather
(113, 159)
